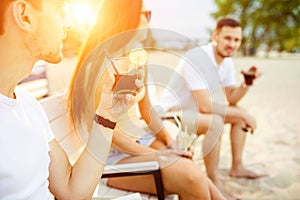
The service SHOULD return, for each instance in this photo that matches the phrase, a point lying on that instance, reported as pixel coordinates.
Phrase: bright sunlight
(82, 13)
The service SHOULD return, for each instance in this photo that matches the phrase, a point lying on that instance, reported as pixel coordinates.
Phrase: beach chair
(62, 126)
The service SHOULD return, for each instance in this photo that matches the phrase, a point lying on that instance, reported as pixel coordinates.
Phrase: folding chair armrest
(138, 167)
(134, 169)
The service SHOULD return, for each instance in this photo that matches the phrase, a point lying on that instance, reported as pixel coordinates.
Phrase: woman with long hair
(116, 30)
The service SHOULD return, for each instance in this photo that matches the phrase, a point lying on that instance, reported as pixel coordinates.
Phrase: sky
(187, 17)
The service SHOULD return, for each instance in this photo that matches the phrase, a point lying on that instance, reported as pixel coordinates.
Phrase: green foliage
(268, 24)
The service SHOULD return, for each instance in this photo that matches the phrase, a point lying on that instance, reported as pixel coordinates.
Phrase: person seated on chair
(180, 175)
(33, 164)
(194, 86)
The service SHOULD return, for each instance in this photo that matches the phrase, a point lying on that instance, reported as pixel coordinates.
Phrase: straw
(192, 143)
(111, 62)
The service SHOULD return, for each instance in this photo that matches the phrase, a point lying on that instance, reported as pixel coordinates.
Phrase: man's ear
(22, 14)
(214, 36)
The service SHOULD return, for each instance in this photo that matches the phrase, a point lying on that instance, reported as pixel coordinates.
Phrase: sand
(275, 102)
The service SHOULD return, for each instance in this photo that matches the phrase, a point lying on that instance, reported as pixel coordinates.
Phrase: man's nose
(231, 43)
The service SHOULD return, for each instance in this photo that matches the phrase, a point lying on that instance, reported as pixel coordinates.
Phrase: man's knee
(210, 122)
(216, 126)
(217, 121)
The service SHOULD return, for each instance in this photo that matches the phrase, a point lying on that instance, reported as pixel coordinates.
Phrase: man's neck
(14, 67)
(7, 86)
(219, 58)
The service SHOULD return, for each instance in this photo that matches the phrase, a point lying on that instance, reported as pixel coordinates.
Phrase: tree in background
(267, 24)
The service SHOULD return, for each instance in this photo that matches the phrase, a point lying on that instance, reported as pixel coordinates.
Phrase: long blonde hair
(114, 17)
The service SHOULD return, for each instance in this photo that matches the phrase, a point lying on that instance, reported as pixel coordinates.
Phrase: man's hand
(250, 75)
(250, 122)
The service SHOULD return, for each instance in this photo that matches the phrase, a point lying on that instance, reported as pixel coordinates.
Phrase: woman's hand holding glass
(120, 87)
(111, 105)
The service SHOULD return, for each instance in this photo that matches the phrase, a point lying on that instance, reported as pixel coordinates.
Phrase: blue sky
(188, 17)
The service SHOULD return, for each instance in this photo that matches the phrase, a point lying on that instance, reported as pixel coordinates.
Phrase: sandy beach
(275, 101)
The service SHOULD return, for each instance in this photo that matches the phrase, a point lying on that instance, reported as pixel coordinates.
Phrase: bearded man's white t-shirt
(196, 70)
(24, 148)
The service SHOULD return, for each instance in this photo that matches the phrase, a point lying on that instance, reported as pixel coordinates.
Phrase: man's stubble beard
(36, 45)
(221, 54)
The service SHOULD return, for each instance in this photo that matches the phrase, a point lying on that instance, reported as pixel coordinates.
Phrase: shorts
(189, 120)
(115, 155)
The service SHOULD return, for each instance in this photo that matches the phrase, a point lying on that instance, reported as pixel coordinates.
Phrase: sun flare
(82, 13)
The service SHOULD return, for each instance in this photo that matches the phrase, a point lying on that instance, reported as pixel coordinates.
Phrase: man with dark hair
(227, 22)
(193, 96)
(226, 40)
(33, 164)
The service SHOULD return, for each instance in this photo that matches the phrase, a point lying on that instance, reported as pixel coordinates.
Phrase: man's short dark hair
(227, 22)
(4, 5)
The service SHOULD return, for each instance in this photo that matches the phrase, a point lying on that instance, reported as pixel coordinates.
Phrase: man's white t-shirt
(197, 70)
(24, 148)
(225, 68)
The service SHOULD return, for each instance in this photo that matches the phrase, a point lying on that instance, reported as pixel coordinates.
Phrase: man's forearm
(237, 94)
(226, 111)
(218, 108)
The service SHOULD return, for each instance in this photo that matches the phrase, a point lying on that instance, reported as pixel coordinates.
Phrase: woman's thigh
(178, 174)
